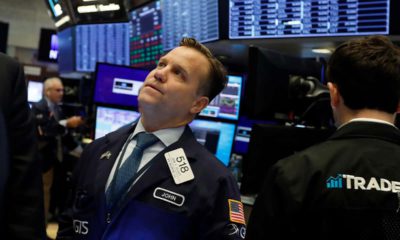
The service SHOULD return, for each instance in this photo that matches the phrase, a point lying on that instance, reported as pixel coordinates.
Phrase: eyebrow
(179, 67)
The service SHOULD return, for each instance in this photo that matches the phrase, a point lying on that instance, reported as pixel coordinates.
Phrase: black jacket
(345, 188)
(49, 131)
(21, 194)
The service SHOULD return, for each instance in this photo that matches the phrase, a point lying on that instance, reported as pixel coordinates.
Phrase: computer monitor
(108, 42)
(217, 137)
(145, 44)
(35, 91)
(243, 131)
(109, 119)
(118, 85)
(267, 86)
(182, 18)
(227, 104)
(48, 45)
(66, 53)
(270, 143)
(278, 19)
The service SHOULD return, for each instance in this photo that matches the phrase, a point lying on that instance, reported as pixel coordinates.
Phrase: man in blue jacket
(179, 190)
(349, 186)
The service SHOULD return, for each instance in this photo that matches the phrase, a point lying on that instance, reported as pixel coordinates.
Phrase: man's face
(172, 88)
(55, 92)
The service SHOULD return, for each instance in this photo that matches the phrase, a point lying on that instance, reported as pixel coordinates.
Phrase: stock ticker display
(189, 18)
(145, 35)
(101, 43)
(295, 18)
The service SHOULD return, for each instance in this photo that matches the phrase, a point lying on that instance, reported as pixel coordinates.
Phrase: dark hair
(367, 73)
(216, 80)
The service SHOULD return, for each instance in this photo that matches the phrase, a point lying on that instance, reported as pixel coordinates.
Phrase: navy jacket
(202, 210)
(345, 188)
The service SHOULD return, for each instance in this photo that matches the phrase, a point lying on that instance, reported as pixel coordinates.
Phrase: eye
(161, 64)
(177, 72)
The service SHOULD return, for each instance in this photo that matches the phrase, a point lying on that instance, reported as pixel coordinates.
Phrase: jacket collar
(358, 129)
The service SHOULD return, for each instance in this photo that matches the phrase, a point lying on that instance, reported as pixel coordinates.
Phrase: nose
(159, 75)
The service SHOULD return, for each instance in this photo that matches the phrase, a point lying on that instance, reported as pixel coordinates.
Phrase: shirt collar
(167, 136)
(367, 120)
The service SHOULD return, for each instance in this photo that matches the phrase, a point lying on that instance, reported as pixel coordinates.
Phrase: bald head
(54, 89)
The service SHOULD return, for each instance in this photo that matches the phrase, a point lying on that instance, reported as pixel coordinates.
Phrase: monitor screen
(277, 19)
(217, 137)
(267, 85)
(226, 104)
(107, 43)
(270, 143)
(182, 18)
(110, 119)
(48, 45)
(35, 91)
(66, 54)
(118, 85)
(243, 131)
(145, 43)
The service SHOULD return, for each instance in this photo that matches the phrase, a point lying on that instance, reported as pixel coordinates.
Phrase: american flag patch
(236, 213)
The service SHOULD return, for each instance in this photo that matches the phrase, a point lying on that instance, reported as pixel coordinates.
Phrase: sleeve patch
(236, 213)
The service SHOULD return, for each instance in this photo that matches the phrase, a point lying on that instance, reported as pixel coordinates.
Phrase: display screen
(35, 91)
(226, 104)
(183, 18)
(145, 35)
(281, 18)
(66, 55)
(48, 45)
(110, 119)
(101, 43)
(118, 85)
(243, 131)
(217, 137)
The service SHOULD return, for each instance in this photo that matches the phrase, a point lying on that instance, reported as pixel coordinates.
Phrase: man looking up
(176, 189)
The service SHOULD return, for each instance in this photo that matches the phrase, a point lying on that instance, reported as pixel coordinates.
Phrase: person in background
(21, 195)
(152, 179)
(349, 186)
(52, 131)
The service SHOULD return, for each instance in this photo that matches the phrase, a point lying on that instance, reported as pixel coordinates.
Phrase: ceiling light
(62, 21)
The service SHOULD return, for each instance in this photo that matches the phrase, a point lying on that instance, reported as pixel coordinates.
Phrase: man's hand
(74, 121)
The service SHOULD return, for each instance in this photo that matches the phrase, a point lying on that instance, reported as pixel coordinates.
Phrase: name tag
(179, 166)
(169, 196)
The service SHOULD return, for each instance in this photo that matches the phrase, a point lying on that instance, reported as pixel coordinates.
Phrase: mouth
(153, 86)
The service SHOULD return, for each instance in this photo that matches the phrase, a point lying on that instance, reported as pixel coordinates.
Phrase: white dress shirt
(166, 137)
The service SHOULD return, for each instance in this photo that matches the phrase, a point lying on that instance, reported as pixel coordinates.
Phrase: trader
(349, 186)
(180, 190)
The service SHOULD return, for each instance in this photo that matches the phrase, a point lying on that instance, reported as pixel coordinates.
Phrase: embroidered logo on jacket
(80, 227)
(236, 213)
(355, 182)
(169, 196)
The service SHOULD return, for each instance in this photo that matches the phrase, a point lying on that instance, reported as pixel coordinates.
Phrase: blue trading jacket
(207, 207)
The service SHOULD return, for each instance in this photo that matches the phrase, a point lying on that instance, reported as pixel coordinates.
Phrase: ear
(334, 93)
(199, 104)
